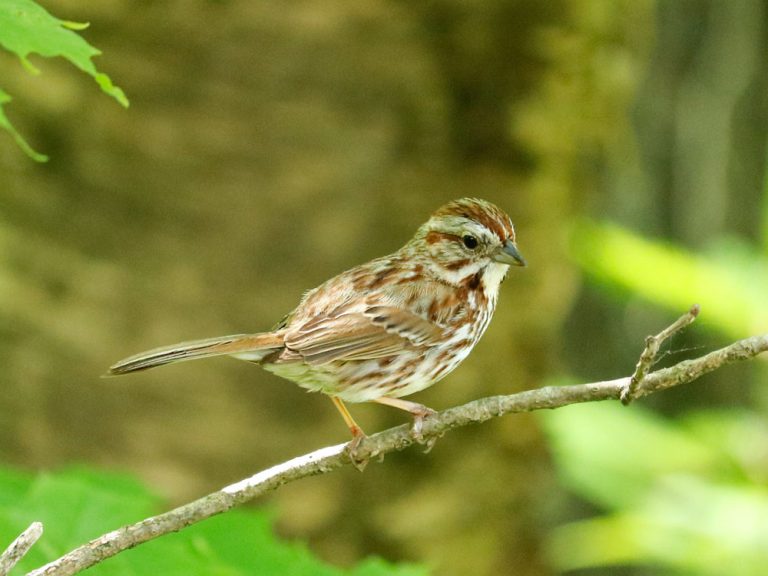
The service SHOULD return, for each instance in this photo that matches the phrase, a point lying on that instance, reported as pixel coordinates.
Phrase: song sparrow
(387, 328)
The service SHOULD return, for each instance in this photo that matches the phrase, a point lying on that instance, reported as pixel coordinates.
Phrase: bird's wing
(359, 333)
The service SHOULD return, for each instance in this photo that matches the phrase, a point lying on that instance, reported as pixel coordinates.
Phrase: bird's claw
(418, 427)
(357, 461)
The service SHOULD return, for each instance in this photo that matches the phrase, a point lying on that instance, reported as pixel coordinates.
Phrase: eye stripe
(434, 236)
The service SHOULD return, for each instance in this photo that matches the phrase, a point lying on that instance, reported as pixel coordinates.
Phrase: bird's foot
(420, 414)
(358, 461)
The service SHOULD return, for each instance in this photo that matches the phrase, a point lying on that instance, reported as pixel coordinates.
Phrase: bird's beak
(508, 254)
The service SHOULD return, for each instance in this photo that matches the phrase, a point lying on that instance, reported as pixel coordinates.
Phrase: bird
(384, 329)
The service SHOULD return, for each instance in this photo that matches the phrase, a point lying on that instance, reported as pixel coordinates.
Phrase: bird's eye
(470, 242)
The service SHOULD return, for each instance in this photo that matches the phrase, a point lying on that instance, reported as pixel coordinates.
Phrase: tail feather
(246, 344)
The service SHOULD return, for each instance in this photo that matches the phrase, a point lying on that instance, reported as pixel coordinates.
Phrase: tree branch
(19, 547)
(333, 457)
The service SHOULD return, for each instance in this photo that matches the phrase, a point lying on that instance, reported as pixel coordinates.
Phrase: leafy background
(268, 146)
(78, 504)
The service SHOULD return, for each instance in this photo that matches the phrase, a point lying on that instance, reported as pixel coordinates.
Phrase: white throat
(493, 277)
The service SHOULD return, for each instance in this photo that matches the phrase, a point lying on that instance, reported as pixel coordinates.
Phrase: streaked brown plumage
(387, 328)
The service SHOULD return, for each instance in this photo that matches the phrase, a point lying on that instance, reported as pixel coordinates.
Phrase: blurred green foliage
(79, 504)
(734, 273)
(678, 495)
(683, 496)
(27, 28)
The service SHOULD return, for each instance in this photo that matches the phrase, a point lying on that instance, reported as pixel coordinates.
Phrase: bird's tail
(246, 346)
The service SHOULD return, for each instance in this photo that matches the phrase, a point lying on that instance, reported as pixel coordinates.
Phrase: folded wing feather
(374, 332)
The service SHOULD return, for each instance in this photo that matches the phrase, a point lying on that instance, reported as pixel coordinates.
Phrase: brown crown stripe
(483, 213)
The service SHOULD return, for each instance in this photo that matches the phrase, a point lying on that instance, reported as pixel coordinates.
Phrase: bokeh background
(270, 145)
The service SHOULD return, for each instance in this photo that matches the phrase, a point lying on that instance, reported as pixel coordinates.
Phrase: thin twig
(333, 457)
(648, 357)
(19, 547)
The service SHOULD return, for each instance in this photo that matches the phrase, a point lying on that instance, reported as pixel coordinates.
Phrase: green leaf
(27, 28)
(80, 504)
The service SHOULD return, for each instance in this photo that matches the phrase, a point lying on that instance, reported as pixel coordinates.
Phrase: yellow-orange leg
(419, 412)
(357, 432)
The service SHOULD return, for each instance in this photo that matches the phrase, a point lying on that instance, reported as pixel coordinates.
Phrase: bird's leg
(357, 434)
(419, 413)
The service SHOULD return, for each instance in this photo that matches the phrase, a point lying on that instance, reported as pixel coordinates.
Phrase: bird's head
(466, 238)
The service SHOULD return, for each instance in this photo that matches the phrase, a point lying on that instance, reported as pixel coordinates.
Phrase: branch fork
(648, 357)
